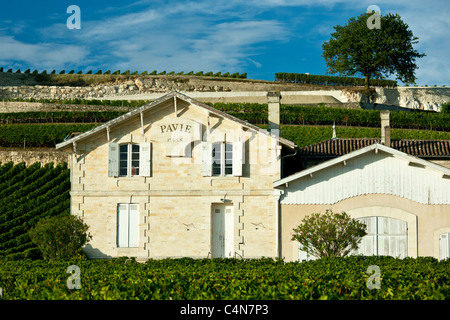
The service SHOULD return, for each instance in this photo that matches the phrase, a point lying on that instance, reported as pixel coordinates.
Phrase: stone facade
(176, 201)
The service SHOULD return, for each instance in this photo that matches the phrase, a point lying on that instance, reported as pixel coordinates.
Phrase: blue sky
(259, 37)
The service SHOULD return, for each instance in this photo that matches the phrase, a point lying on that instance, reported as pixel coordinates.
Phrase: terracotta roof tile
(338, 147)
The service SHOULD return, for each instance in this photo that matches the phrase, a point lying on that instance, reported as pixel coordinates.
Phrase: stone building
(178, 178)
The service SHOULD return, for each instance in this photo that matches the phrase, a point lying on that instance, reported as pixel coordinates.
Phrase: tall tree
(375, 52)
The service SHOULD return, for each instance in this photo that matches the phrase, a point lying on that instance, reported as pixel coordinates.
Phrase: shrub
(60, 237)
(330, 234)
(445, 108)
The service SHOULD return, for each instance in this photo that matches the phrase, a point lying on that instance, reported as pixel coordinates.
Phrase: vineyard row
(257, 114)
(28, 194)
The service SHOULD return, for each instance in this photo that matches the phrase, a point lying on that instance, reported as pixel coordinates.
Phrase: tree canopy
(358, 48)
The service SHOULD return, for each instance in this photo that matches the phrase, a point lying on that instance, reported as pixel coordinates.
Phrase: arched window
(385, 237)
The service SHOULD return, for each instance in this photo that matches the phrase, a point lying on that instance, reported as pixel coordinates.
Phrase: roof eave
(162, 99)
(375, 146)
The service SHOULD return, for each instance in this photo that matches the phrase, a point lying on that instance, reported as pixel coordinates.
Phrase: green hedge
(319, 115)
(48, 135)
(307, 135)
(229, 279)
(331, 80)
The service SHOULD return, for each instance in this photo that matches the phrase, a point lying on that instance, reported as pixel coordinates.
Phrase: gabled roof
(373, 147)
(155, 104)
(338, 147)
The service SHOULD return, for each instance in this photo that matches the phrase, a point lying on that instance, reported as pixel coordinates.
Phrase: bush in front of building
(330, 234)
(60, 237)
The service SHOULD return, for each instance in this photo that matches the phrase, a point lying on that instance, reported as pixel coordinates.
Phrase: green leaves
(330, 80)
(31, 193)
(60, 237)
(356, 49)
(329, 234)
(205, 279)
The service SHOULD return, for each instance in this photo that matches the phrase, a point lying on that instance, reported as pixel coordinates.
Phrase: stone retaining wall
(30, 156)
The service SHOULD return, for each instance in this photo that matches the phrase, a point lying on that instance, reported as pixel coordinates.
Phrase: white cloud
(40, 55)
(226, 35)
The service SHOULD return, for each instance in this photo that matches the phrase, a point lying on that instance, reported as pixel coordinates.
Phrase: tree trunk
(367, 82)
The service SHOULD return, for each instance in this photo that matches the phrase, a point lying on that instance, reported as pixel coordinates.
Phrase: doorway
(222, 221)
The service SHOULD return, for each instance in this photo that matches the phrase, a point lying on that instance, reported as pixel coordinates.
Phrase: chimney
(385, 128)
(273, 101)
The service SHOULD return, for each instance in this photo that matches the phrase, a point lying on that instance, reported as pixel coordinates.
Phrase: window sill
(227, 177)
(133, 178)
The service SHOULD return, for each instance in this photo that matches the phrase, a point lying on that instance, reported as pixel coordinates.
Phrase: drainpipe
(288, 155)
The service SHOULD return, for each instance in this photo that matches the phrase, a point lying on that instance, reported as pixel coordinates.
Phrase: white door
(222, 231)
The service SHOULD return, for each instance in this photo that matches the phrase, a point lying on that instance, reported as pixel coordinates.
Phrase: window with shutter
(226, 159)
(128, 225)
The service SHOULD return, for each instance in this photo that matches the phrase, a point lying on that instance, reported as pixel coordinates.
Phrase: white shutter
(206, 159)
(238, 157)
(145, 159)
(444, 246)
(392, 237)
(368, 245)
(113, 159)
(122, 225)
(133, 226)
